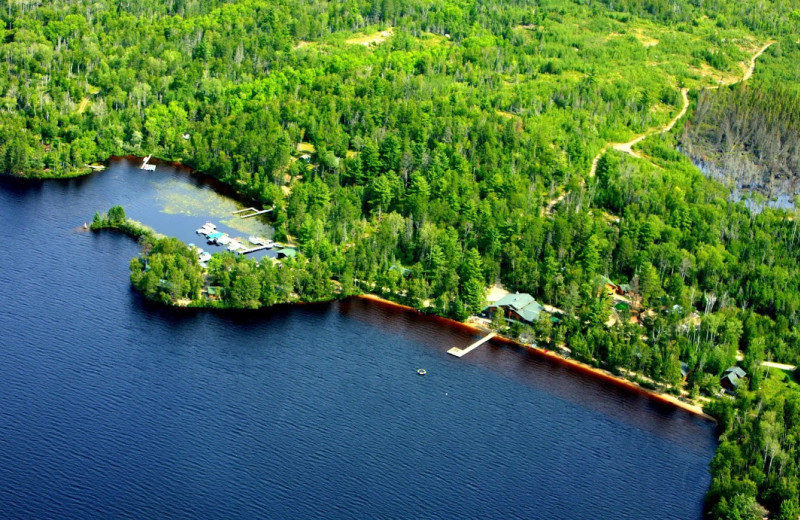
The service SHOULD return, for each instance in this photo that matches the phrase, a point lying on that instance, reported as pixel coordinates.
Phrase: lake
(113, 407)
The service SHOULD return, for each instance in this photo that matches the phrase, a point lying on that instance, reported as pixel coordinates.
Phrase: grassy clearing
(306, 148)
(777, 380)
(371, 39)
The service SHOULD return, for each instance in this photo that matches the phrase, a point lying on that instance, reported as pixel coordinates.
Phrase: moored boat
(206, 229)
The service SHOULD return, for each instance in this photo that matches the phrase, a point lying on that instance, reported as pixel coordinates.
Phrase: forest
(412, 149)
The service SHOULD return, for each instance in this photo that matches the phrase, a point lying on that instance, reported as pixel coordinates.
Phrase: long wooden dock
(253, 212)
(458, 352)
(254, 249)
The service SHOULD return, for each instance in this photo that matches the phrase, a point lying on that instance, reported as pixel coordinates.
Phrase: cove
(113, 407)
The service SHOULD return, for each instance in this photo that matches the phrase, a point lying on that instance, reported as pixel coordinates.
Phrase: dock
(252, 212)
(254, 249)
(147, 167)
(458, 352)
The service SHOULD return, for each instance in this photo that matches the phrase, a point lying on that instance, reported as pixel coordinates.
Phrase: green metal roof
(521, 303)
(737, 371)
(288, 252)
(514, 300)
(400, 269)
(606, 280)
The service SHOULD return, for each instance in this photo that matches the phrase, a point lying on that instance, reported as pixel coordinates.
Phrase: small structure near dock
(458, 352)
(287, 252)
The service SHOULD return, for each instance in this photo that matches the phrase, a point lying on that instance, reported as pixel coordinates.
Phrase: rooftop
(521, 303)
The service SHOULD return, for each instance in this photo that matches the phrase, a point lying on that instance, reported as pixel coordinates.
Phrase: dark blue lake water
(111, 407)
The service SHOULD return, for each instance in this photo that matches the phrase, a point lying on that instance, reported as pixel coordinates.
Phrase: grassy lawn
(778, 380)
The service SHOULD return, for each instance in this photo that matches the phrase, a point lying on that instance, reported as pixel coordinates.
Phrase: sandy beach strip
(575, 365)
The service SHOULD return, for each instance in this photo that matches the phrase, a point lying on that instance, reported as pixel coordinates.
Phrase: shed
(732, 378)
(214, 292)
(404, 271)
(287, 252)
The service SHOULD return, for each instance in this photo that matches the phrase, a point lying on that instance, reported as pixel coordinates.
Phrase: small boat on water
(269, 244)
(206, 228)
(256, 240)
(223, 239)
(204, 257)
(421, 371)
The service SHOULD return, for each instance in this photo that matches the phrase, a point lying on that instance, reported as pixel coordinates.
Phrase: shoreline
(577, 366)
(572, 364)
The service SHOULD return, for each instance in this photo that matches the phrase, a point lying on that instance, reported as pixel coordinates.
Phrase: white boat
(204, 257)
(269, 244)
(206, 228)
(256, 240)
(224, 240)
(235, 245)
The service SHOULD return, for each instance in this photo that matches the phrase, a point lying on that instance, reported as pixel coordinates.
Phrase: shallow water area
(173, 200)
(113, 407)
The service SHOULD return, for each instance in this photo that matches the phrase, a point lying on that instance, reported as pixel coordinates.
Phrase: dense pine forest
(426, 150)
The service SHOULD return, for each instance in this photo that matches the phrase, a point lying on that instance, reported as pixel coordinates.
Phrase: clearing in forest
(367, 40)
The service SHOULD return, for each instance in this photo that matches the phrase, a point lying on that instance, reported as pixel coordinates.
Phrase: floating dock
(458, 352)
(252, 212)
(147, 167)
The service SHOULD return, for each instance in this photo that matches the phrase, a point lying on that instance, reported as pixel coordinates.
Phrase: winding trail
(628, 146)
(752, 68)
